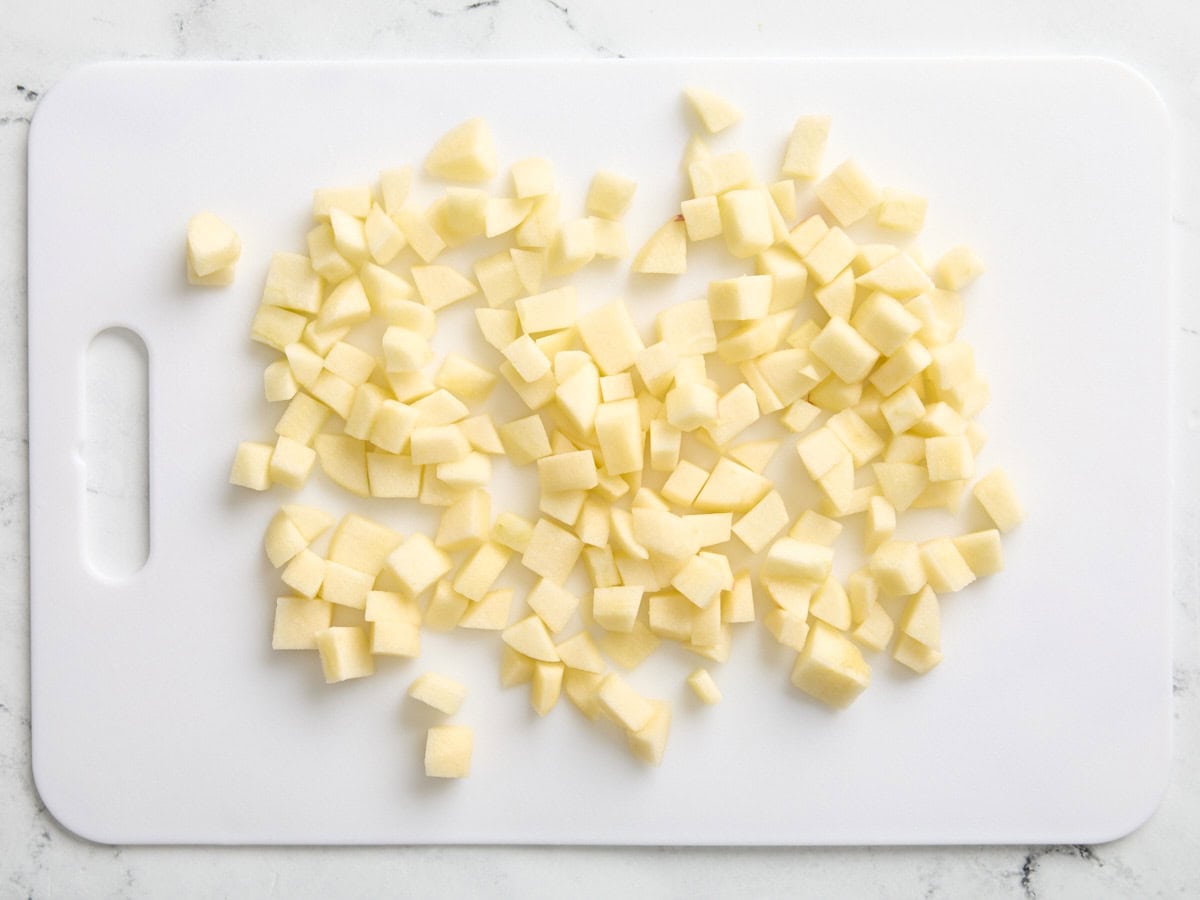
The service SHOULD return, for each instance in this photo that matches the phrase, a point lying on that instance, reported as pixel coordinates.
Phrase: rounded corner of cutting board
(68, 810)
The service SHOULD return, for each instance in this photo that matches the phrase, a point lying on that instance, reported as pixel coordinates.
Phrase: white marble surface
(38, 42)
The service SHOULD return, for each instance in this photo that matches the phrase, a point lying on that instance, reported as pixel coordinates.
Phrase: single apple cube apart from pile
(714, 111)
(448, 751)
(439, 692)
(645, 437)
(213, 249)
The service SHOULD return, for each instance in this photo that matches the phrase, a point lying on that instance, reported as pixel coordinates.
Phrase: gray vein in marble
(565, 11)
(1029, 868)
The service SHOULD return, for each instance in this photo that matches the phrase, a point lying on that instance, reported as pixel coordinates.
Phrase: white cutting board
(160, 713)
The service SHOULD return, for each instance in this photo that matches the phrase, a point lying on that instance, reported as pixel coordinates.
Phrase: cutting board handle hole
(116, 454)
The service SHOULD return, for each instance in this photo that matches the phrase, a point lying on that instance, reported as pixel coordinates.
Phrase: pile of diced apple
(851, 348)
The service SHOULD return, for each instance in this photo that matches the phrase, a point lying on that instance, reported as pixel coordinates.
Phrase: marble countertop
(39, 42)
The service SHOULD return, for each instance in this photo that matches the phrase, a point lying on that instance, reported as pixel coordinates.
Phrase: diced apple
(466, 152)
(665, 253)
(806, 144)
(448, 751)
(998, 498)
(830, 668)
(847, 193)
(345, 653)
(746, 222)
(298, 621)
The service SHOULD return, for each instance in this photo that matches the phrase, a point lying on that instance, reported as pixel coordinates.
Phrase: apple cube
(814, 528)
(685, 329)
(830, 668)
(746, 222)
(252, 466)
(737, 604)
(844, 350)
(552, 551)
(745, 298)
(996, 495)
(438, 692)
(610, 195)
(880, 523)
(346, 586)
(690, 406)
(417, 564)
(847, 193)
(715, 112)
(762, 523)
(549, 311)
(821, 451)
(212, 248)
(389, 606)
(477, 575)
(731, 487)
(831, 604)
(899, 276)
(875, 630)
(806, 144)
(445, 609)
(448, 751)
(614, 388)
(714, 175)
(665, 253)
(915, 655)
(949, 458)
(897, 568)
(902, 410)
(623, 704)
(857, 436)
(440, 286)
(981, 551)
(546, 687)
(304, 574)
(573, 247)
(884, 322)
(489, 614)
(616, 608)
(277, 327)
(384, 238)
(609, 334)
(945, 568)
(298, 621)
(292, 284)
(393, 638)
(327, 262)
(701, 217)
(344, 460)
(532, 177)
(901, 367)
(703, 686)
(530, 638)
(334, 392)
(958, 268)
(649, 742)
(421, 235)
(466, 152)
(901, 211)
(345, 653)
(788, 628)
